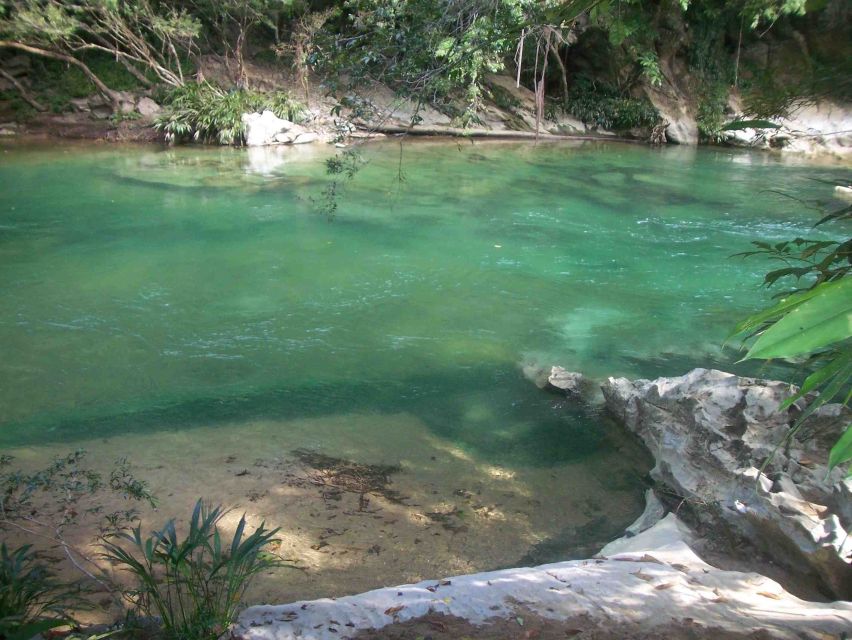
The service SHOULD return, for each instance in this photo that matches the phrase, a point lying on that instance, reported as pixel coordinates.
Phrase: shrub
(203, 112)
(194, 585)
(603, 106)
(32, 600)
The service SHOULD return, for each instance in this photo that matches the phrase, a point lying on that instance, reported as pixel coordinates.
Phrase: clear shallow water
(191, 309)
(150, 289)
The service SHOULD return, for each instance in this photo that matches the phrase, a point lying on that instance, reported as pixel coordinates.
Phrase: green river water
(187, 291)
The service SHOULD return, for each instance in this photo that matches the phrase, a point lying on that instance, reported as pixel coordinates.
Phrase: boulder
(671, 100)
(711, 432)
(570, 382)
(261, 128)
(559, 379)
(652, 585)
(306, 137)
(653, 513)
(147, 108)
(817, 129)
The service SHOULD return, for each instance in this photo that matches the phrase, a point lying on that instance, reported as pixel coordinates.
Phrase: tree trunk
(35, 104)
(108, 93)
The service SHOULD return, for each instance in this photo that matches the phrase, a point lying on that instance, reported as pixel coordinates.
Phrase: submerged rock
(555, 378)
(570, 382)
(711, 431)
(652, 584)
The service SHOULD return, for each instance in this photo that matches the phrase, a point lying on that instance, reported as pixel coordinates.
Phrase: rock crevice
(721, 444)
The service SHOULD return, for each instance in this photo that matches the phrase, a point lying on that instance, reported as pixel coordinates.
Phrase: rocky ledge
(711, 433)
(651, 586)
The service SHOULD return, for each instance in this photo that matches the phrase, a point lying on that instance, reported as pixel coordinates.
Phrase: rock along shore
(709, 432)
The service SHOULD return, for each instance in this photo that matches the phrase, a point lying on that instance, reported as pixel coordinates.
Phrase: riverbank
(652, 582)
(815, 130)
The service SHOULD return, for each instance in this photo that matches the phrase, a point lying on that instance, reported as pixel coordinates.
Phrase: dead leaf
(392, 611)
(665, 585)
(766, 594)
(437, 624)
(647, 558)
(642, 576)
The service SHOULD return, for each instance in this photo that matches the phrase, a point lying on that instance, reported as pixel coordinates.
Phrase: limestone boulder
(652, 585)
(570, 382)
(824, 128)
(711, 432)
(262, 128)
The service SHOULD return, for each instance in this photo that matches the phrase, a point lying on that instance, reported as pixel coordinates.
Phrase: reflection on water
(192, 304)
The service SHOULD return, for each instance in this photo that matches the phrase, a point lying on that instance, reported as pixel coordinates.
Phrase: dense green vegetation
(194, 583)
(202, 112)
(810, 320)
(594, 58)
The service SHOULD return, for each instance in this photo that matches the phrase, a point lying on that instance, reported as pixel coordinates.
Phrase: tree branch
(35, 104)
(56, 55)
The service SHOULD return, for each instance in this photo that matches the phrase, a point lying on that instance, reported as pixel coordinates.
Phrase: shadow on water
(519, 425)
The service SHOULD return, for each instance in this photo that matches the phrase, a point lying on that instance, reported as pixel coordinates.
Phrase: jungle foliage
(812, 319)
(202, 112)
(194, 584)
(437, 52)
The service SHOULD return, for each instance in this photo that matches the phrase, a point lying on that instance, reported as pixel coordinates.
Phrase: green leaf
(842, 450)
(739, 125)
(32, 629)
(444, 47)
(784, 306)
(816, 323)
(820, 377)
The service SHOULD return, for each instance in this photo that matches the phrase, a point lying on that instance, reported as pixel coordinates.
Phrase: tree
(229, 24)
(149, 38)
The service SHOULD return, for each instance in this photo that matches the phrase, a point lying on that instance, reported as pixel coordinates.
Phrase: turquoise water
(146, 289)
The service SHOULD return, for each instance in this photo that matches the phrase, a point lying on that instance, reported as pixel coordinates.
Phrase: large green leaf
(784, 306)
(839, 367)
(738, 125)
(818, 322)
(842, 450)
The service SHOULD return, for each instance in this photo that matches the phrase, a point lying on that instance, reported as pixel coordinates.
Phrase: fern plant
(32, 600)
(195, 585)
(202, 112)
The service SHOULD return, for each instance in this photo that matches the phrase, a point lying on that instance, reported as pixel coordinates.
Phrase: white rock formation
(653, 513)
(263, 128)
(711, 431)
(650, 581)
(568, 381)
(556, 378)
(819, 129)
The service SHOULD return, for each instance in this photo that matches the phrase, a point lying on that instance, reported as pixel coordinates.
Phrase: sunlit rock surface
(649, 581)
(710, 432)
(817, 129)
(266, 128)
